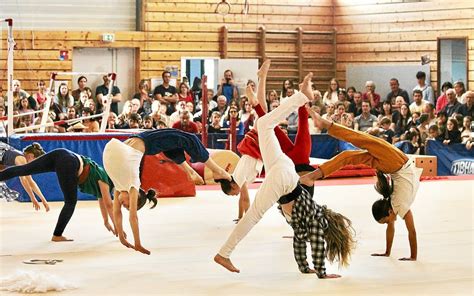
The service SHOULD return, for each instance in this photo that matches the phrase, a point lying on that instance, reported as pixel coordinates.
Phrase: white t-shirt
(247, 170)
(405, 185)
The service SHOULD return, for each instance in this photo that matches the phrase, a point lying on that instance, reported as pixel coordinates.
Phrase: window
(452, 60)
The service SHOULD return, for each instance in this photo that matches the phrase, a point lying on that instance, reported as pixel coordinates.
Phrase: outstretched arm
(25, 182)
(410, 223)
(37, 191)
(244, 201)
(389, 234)
(133, 219)
(106, 207)
(118, 220)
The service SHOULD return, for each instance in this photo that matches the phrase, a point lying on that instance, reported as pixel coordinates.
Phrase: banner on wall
(452, 159)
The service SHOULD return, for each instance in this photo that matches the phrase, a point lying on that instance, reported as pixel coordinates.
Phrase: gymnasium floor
(183, 235)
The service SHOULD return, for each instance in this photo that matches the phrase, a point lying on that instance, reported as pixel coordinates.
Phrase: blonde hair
(339, 236)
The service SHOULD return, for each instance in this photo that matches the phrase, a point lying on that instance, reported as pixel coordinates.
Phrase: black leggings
(66, 165)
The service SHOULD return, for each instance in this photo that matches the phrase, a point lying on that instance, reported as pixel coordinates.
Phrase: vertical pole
(299, 49)
(47, 103)
(11, 47)
(205, 110)
(263, 40)
(225, 40)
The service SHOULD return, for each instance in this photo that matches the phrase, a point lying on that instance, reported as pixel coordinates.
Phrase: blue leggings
(66, 165)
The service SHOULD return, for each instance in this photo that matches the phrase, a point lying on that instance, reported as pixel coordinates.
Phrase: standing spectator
(467, 109)
(215, 125)
(166, 94)
(184, 93)
(102, 90)
(453, 105)
(40, 95)
(452, 135)
(145, 97)
(288, 83)
(442, 100)
(460, 90)
(82, 83)
(427, 90)
(227, 87)
(396, 91)
(371, 96)
(63, 98)
(196, 91)
(418, 103)
(185, 124)
(330, 96)
(365, 120)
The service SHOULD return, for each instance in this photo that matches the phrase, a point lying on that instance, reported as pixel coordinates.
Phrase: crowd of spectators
(404, 118)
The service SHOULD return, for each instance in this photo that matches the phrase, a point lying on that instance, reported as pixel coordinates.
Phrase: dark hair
(461, 84)
(351, 87)
(424, 117)
(147, 117)
(226, 185)
(420, 75)
(385, 120)
(417, 91)
(433, 128)
(165, 72)
(135, 117)
(149, 196)
(283, 89)
(447, 85)
(454, 122)
(81, 77)
(395, 79)
(34, 149)
(380, 207)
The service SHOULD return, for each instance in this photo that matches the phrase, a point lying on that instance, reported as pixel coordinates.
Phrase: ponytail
(381, 207)
(34, 149)
(149, 196)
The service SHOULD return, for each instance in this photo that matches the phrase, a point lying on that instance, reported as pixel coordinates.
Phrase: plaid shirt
(308, 223)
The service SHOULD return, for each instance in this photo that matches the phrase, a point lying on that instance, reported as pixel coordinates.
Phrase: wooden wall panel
(395, 31)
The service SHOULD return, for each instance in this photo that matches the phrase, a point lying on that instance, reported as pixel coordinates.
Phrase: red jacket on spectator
(441, 102)
(191, 127)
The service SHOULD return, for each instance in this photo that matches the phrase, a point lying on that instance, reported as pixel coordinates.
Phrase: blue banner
(453, 159)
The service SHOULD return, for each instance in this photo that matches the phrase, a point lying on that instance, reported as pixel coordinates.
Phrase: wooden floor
(183, 235)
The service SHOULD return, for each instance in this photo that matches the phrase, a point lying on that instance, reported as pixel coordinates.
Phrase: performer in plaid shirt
(282, 184)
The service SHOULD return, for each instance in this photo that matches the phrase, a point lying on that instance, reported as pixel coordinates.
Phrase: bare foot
(262, 72)
(306, 88)
(226, 263)
(222, 175)
(319, 122)
(250, 94)
(61, 239)
(198, 180)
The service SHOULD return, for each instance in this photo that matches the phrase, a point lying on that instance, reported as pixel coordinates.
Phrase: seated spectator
(365, 120)
(418, 104)
(122, 119)
(63, 98)
(3, 123)
(221, 106)
(227, 87)
(452, 135)
(40, 95)
(234, 113)
(160, 115)
(274, 105)
(215, 125)
(434, 134)
(292, 122)
(429, 110)
(49, 128)
(252, 85)
(387, 111)
(466, 129)
(355, 108)
(91, 124)
(404, 122)
(467, 109)
(341, 117)
(145, 97)
(409, 143)
(399, 101)
(135, 106)
(288, 83)
(25, 107)
(161, 124)
(272, 96)
(423, 127)
(453, 105)
(387, 133)
(148, 122)
(317, 99)
(19, 93)
(330, 110)
(415, 118)
(102, 90)
(184, 93)
(190, 107)
(371, 96)
(90, 103)
(442, 100)
(135, 120)
(396, 91)
(442, 119)
(247, 113)
(185, 124)
(460, 90)
(330, 96)
(175, 117)
(112, 121)
(427, 90)
(82, 83)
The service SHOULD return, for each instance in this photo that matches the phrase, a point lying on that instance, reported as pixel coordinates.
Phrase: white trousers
(280, 175)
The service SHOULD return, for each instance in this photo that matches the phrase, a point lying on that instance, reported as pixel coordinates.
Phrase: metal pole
(205, 110)
(11, 47)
